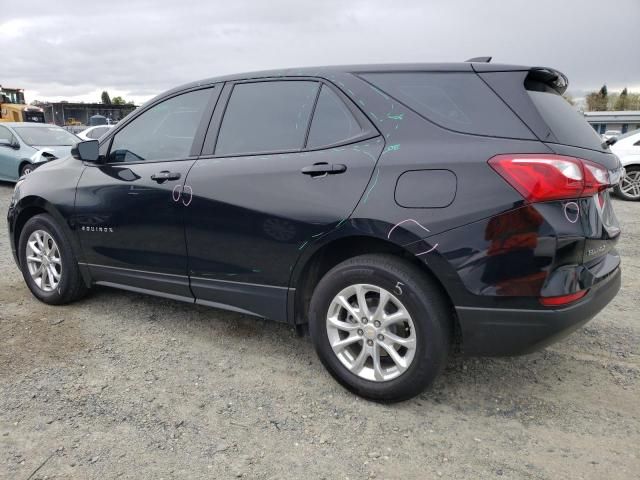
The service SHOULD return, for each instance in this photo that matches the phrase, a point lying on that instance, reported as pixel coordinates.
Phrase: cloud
(56, 50)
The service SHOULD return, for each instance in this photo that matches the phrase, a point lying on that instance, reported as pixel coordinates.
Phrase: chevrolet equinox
(395, 210)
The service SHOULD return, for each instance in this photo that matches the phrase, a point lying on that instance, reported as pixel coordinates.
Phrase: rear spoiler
(544, 79)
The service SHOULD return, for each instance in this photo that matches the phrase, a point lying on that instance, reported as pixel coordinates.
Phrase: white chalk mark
(428, 251)
(404, 221)
(175, 194)
(186, 204)
(568, 215)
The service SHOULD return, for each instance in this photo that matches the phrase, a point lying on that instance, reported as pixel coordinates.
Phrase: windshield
(46, 136)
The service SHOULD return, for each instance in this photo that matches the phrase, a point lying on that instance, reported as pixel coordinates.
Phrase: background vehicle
(93, 133)
(610, 134)
(25, 146)
(390, 208)
(14, 109)
(627, 148)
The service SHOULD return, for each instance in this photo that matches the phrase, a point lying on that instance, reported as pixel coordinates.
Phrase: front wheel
(629, 187)
(47, 262)
(26, 169)
(380, 326)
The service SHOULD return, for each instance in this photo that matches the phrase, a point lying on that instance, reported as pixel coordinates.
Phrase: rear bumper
(499, 332)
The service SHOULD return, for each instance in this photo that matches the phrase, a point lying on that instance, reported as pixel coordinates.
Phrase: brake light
(563, 299)
(540, 177)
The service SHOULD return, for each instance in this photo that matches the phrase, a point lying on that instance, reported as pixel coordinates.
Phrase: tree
(621, 101)
(597, 101)
(603, 91)
(118, 101)
(105, 98)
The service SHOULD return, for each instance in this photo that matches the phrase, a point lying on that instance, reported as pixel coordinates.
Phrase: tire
(26, 169)
(629, 187)
(429, 328)
(69, 285)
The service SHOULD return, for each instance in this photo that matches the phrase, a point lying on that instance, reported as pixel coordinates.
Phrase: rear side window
(567, 124)
(165, 131)
(266, 117)
(332, 121)
(456, 101)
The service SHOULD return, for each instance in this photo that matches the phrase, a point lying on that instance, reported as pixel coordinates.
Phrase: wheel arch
(22, 163)
(31, 206)
(335, 252)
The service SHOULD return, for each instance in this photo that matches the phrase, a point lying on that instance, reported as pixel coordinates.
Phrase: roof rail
(479, 59)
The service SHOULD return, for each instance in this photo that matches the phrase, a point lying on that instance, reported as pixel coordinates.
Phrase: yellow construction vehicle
(14, 109)
(72, 122)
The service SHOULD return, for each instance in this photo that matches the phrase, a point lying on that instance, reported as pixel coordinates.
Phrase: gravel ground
(121, 385)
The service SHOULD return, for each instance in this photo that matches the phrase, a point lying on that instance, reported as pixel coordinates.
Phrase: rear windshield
(46, 136)
(567, 124)
(454, 100)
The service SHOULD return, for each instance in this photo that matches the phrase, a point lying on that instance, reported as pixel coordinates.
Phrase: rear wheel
(380, 327)
(47, 262)
(629, 186)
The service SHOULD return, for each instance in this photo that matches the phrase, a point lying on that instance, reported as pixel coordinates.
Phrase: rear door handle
(321, 169)
(165, 175)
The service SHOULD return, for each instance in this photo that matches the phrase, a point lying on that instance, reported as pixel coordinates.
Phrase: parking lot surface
(121, 385)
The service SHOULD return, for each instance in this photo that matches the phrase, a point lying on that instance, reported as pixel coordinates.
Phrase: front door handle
(321, 169)
(165, 175)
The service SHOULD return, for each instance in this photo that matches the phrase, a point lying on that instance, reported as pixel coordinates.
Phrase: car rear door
(129, 210)
(271, 182)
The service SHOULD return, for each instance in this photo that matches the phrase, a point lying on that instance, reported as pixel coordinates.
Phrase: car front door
(8, 155)
(129, 208)
(276, 183)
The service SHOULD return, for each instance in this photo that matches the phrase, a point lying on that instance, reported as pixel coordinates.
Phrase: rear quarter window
(456, 101)
(565, 122)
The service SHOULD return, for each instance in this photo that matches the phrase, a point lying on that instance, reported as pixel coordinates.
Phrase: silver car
(24, 146)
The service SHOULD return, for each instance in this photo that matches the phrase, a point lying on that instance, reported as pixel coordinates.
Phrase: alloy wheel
(371, 332)
(630, 184)
(43, 260)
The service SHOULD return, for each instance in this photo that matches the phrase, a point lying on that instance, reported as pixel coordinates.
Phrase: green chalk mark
(393, 148)
(375, 182)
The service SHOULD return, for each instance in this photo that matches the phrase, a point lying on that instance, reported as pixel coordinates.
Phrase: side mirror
(611, 141)
(8, 143)
(87, 151)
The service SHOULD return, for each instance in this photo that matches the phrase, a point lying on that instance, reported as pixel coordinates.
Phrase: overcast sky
(73, 50)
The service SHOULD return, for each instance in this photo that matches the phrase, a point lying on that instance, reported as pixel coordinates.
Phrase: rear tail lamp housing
(541, 177)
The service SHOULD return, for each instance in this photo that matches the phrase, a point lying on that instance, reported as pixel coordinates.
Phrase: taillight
(541, 177)
(563, 299)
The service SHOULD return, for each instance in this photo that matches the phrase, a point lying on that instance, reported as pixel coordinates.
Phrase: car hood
(42, 153)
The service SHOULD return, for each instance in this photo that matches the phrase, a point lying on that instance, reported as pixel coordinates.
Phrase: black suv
(396, 210)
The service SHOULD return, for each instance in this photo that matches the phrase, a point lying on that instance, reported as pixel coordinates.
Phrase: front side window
(5, 134)
(332, 121)
(266, 117)
(46, 136)
(165, 131)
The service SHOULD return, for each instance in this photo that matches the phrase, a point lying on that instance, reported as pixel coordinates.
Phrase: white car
(627, 148)
(610, 134)
(93, 133)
